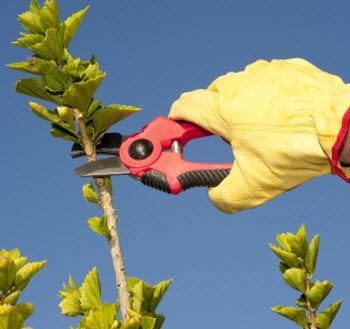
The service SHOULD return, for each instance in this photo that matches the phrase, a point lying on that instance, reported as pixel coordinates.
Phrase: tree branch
(312, 311)
(112, 219)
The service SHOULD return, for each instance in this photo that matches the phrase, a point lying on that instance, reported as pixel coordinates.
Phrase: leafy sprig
(298, 259)
(68, 82)
(86, 301)
(15, 274)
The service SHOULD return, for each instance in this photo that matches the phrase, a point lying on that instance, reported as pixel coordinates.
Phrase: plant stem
(311, 309)
(114, 246)
(112, 219)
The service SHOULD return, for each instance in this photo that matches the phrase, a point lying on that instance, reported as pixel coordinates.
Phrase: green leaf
(130, 323)
(287, 257)
(43, 113)
(295, 278)
(31, 21)
(137, 297)
(36, 88)
(302, 302)
(70, 25)
(26, 310)
(7, 274)
(99, 225)
(283, 267)
(28, 40)
(294, 314)
(73, 68)
(34, 65)
(51, 47)
(90, 291)
(90, 194)
(101, 318)
(94, 105)
(325, 318)
(108, 184)
(158, 293)
(145, 299)
(296, 244)
(11, 298)
(115, 325)
(66, 115)
(38, 20)
(159, 321)
(57, 81)
(90, 131)
(62, 119)
(50, 15)
(60, 132)
(13, 254)
(299, 244)
(147, 322)
(24, 274)
(92, 71)
(311, 257)
(34, 7)
(10, 317)
(283, 240)
(131, 282)
(106, 117)
(318, 292)
(19, 262)
(70, 304)
(80, 94)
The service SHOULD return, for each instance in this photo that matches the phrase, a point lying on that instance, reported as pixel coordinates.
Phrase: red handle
(143, 154)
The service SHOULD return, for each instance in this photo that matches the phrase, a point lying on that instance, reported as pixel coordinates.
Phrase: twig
(112, 219)
(311, 309)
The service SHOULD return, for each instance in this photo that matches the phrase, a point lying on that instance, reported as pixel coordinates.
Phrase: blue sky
(224, 274)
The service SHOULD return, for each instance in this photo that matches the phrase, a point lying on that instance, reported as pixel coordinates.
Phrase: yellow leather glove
(286, 121)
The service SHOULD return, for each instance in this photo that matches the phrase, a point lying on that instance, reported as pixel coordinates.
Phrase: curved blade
(103, 167)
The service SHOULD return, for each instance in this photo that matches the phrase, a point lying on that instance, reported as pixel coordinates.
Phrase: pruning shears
(155, 157)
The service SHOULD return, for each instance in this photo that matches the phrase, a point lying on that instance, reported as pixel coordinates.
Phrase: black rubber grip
(209, 178)
(156, 180)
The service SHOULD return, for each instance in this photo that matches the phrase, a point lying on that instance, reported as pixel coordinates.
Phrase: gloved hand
(286, 121)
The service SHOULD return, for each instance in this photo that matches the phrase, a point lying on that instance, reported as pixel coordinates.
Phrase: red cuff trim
(338, 145)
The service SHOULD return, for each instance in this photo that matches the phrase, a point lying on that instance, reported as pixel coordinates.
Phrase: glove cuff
(341, 171)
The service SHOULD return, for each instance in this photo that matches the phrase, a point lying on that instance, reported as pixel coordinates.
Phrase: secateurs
(154, 156)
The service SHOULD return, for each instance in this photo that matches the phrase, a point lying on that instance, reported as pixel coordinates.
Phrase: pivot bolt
(140, 149)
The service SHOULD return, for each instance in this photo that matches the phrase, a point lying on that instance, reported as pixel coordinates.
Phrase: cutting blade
(103, 167)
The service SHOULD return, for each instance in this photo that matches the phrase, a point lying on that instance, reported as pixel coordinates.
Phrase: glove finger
(252, 183)
(234, 194)
(243, 189)
(202, 108)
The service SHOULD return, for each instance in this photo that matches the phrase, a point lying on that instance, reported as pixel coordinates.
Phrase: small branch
(312, 312)
(114, 246)
(311, 309)
(112, 219)
(88, 145)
